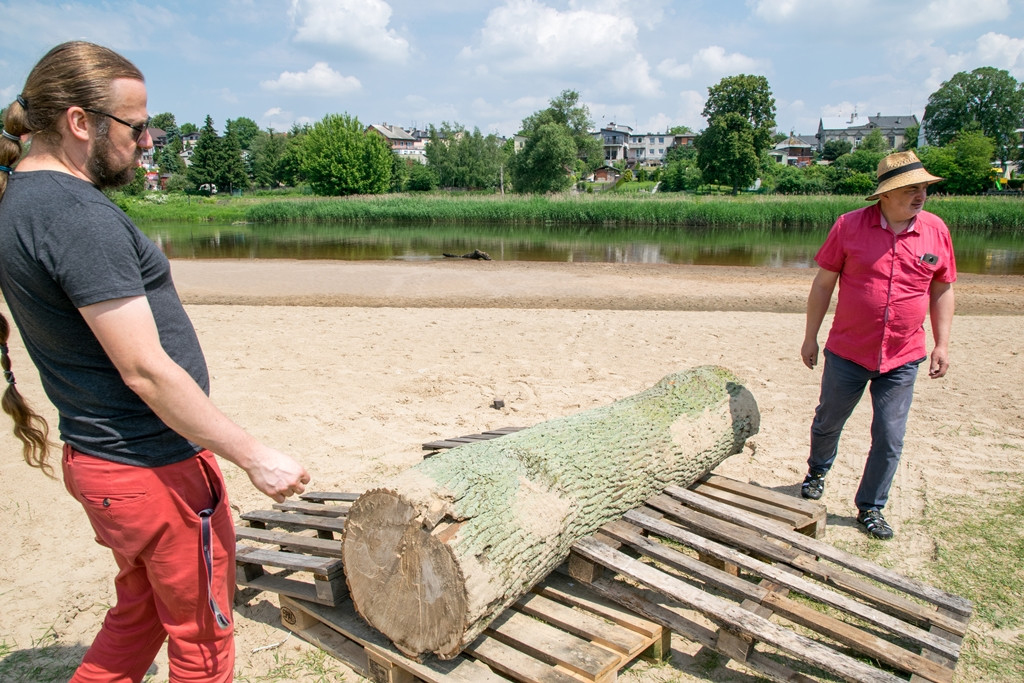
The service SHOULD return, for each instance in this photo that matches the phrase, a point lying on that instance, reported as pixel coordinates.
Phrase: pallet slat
(738, 619)
(933, 595)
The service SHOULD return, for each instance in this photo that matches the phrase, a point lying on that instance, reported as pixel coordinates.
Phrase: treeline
(965, 163)
(971, 121)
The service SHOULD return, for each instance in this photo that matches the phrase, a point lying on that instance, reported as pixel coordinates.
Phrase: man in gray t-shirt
(119, 358)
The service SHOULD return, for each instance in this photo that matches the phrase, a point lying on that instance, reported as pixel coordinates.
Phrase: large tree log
(440, 550)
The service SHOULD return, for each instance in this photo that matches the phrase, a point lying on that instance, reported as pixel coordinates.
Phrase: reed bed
(649, 210)
(984, 214)
(980, 215)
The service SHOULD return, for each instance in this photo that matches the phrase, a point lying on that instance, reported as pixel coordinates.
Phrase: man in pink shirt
(894, 264)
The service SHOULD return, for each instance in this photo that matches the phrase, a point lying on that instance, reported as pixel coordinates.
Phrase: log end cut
(402, 576)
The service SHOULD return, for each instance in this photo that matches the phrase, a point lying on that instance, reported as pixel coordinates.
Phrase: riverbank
(472, 284)
(352, 366)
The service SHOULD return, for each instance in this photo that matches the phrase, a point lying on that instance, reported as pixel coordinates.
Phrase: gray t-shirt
(64, 245)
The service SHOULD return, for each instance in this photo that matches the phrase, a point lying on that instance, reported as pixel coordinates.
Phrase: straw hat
(899, 170)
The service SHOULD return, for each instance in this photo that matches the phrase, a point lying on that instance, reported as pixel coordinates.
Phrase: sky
(646, 64)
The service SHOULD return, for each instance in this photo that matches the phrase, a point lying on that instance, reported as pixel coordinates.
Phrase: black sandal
(875, 524)
(813, 487)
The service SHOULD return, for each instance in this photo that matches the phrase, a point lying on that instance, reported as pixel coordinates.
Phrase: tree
(231, 172)
(165, 122)
(245, 129)
(874, 142)
(289, 168)
(573, 120)
(988, 99)
(188, 128)
(137, 187)
(266, 152)
(206, 156)
(726, 152)
(910, 136)
(965, 163)
(833, 149)
(751, 98)
(168, 158)
(422, 178)
(463, 159)
(861, 160)
(178, 182)
(340, 158)
(546, 161)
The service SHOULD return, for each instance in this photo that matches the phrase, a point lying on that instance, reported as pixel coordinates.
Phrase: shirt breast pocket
(920, 269)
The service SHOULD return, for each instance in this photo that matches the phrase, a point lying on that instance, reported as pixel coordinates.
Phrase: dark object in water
(476, 253)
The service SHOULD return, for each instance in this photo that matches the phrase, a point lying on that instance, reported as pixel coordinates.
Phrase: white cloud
(1002, 52)
(278, 119)
(954, 14)
(634, 78)
(659, 123)
(359, 25)
(320, 79)
(648, 12)
(868, 14)
(526, 36)
(712, 62)
(779, 11)
(691, 104)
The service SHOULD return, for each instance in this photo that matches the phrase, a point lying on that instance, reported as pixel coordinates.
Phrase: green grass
(979, 554)
(609, 209)
(46, 660)
(985, 215)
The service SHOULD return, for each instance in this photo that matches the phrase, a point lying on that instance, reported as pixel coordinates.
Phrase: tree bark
(433, 555)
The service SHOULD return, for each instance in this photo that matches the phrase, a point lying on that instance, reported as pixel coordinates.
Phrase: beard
(102, 169)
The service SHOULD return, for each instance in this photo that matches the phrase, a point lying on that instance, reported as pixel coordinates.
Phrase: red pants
(149, 518)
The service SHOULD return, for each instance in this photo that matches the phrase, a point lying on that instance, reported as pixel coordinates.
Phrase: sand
(351, 366)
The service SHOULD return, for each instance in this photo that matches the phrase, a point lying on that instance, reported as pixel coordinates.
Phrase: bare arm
(940, 309)
(126, 330)
(817, 306)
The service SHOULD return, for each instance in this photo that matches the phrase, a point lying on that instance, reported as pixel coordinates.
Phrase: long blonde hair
(73, 74)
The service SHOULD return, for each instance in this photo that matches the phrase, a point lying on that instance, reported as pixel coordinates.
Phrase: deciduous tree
(339, 158)
(550, 133)
(545, 163)
(986, 99)
(965, 163)
(751, 98)
(726, 152)
(244, 128)
(833, 149)
(463, 159)
(266, 152)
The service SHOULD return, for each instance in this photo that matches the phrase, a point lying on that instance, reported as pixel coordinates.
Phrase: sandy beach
(351, 366)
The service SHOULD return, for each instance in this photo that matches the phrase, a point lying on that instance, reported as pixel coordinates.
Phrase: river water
(725, 246)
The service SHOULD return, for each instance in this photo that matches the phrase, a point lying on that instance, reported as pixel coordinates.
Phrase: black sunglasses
(139, 128)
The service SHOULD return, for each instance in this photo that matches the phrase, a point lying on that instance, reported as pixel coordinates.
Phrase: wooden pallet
(734, 567)
(456, 441)
(561, 632)
(301, 540)
(848, 612)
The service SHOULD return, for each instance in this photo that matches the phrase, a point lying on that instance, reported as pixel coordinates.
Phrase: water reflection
(716, 247)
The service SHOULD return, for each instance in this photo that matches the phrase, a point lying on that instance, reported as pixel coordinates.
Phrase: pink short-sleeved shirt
(884, 282)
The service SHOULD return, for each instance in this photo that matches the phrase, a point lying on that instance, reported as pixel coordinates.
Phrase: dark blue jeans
(842, 385)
